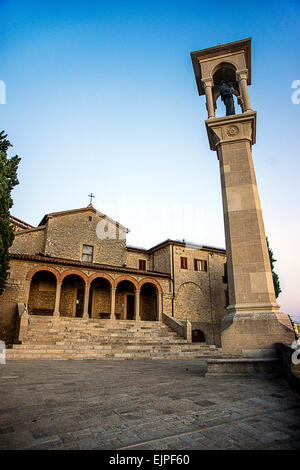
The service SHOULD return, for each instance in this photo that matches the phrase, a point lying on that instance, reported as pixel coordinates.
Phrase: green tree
(8, 180)
(276, 282)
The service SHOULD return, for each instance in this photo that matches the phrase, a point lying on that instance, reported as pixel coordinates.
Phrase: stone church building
(76, 263)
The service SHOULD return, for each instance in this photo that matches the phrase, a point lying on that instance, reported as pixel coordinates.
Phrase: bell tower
(253, 324)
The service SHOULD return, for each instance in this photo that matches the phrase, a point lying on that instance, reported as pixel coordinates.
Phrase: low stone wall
(244, 366)
(290, 370)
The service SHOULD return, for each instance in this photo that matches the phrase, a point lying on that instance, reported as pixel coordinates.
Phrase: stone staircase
(75, 338)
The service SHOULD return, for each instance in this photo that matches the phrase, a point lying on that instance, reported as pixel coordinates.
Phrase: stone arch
(150, 281)
(83, 276)
(149, 292)
(103, 276)
(100, 295)
(193, 303)
(42, 291)
(33, 271)
(127, 278)
(73, 285)
(198, 336)
(224, 64)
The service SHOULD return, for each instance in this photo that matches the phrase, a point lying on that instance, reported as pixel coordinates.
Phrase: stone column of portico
(112, 303)
(251, 290)
(57, 300)
(27, 292)
(137, 305)
(86, 302)
(159, 306)
(24, 320)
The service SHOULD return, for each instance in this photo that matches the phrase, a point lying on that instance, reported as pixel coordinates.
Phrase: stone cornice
(95, 266)
(230, 129)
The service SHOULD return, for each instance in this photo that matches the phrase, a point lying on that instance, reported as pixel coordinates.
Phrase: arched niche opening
(225, 73)
(148, 305)
(42, 293)
(198, 336)
(125, 300)
(72, 296)
(99, 299)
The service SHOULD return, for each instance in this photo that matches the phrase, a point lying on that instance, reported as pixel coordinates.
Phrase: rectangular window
(142, 264)
(183, 263)
(200, 265)
(87, 253)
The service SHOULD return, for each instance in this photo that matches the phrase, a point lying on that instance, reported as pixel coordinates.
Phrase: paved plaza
(139, 405)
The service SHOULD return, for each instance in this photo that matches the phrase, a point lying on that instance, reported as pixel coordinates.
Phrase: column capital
(242, 74)
(207, 82)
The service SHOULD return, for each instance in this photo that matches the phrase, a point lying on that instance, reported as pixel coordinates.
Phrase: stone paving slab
(142, 405)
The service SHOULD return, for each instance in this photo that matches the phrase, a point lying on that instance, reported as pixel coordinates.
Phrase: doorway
(79, 303)
(130, 307)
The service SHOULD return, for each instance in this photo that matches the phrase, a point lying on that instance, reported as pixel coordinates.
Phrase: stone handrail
(184, 329)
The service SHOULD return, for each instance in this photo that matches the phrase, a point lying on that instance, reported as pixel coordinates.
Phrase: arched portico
(149, 302)
(42, 292)
(100, 298)
(127, 299)
(72, 295)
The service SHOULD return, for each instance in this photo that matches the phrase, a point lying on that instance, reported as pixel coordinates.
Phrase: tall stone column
(86, 302)
(137, 305)
(112, 303)
(253, 324)
(254, 321)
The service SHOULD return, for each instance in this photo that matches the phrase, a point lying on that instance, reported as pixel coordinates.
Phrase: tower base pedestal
(255, 334)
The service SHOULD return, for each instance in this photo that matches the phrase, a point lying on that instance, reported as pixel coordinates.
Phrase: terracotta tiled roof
(68, 262)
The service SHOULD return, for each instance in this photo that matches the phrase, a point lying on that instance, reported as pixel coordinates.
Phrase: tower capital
(230, 129)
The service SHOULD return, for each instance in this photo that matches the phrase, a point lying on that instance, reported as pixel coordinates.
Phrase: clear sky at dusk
(101, 97)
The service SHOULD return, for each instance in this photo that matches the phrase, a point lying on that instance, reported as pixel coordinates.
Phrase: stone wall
(67, 234)
(161, 260)
(200, 295)
(100, 302)
(29, 241)
(42, 295)
(133, 257)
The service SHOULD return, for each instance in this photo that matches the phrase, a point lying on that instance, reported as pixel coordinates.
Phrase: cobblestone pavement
(139, 405)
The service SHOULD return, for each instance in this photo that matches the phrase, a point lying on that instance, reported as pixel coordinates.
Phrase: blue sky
(101, 97)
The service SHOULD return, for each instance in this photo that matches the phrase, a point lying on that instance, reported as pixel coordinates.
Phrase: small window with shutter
(87, 253)
(183, 262)
(200, 265)
(142, 264)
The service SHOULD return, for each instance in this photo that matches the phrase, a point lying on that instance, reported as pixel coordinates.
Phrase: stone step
(75, 338)
(103, 355)
(48, 347)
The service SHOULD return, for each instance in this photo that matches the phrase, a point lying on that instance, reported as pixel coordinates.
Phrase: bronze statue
(226, 91)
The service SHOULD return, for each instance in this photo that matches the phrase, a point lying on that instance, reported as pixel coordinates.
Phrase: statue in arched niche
(227, 91)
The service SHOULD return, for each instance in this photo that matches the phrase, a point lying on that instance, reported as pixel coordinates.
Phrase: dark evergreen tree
(8, 180)
(276, 282)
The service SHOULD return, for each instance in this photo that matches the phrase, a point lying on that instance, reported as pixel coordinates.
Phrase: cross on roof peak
(91, 197)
